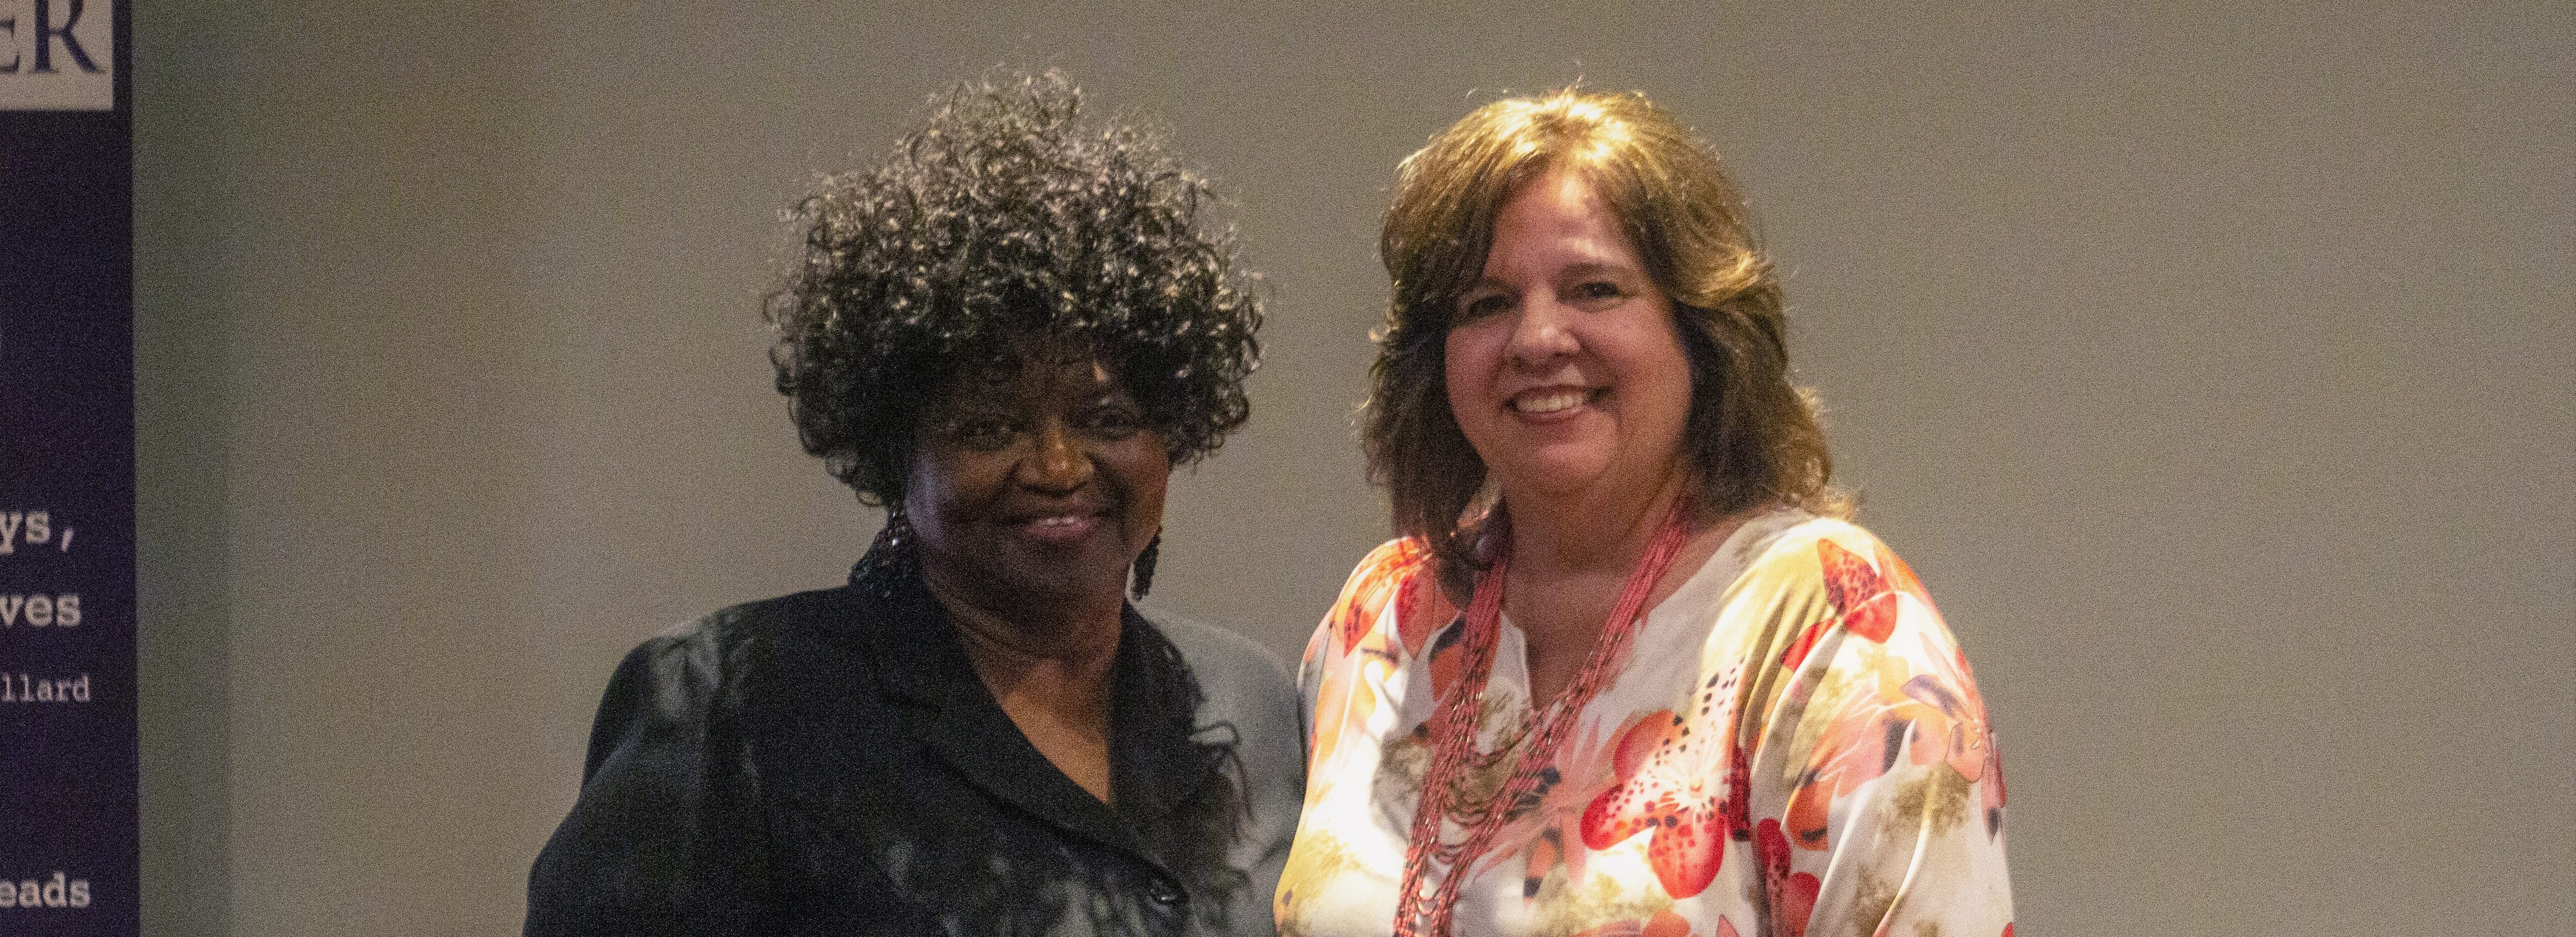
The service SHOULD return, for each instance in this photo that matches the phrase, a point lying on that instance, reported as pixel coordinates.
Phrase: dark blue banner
(68, 830)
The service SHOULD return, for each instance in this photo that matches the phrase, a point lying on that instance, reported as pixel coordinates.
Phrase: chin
(1069, 586)
(1558, 473)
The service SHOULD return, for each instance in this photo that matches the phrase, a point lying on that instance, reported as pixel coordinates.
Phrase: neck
(1048, 664)
(1060, 651)
(1589, 532)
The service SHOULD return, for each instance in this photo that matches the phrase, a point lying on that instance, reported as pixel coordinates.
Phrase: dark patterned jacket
(828, 763)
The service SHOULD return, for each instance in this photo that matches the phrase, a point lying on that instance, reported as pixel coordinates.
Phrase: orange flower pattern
(1794, 744)
(1686, 791)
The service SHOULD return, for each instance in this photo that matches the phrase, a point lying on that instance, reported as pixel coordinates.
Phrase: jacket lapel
(1156, 763)
(946, 708)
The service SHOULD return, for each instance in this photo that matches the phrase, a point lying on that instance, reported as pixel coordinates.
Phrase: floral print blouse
(1793, 746)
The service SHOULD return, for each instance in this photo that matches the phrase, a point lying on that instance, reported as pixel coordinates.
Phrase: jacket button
(1162, 893)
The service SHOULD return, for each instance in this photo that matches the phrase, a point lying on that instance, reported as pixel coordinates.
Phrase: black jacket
(829, 763)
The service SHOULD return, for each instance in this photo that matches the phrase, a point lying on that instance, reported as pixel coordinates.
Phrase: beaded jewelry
(1422, 908)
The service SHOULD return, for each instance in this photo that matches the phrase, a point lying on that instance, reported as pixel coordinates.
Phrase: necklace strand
(1453, 731)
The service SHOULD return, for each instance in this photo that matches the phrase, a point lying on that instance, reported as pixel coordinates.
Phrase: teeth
(1548, 402)
(1056, 521)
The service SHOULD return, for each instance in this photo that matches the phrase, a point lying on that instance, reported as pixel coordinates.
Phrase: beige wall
(2212, 368)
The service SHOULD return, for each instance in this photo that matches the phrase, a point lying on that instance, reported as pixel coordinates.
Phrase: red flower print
(1867, 604)
(1954, 727)
(1857, 747)
(1664, 924)
(1683, 778)
(1900, 577)
(1544, 835)
(1793, 894)
(1352, 650)
(1371, 587)
(1935, 715)
(1420, 606)
(1864, 600)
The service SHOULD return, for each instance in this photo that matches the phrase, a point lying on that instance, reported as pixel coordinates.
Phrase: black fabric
(828, 763)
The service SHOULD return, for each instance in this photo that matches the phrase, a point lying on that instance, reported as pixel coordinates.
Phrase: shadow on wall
(182, 558)
(183, 545)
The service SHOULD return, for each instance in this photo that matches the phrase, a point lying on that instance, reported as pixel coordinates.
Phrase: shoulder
(1249, 701)
(1385, 571)
(1825, 609)
(1224, 661)
(1784, 535)
(683, 669)
(1394, 590)
(1791, 589)
(1788, 552)
(1243, 685)
(730, 627)
(767, 618)
(671, 685)
(659, 833)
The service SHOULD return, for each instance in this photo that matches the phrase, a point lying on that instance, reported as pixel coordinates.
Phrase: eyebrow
(1000, 394)
(1591, 267)
(1577, 269)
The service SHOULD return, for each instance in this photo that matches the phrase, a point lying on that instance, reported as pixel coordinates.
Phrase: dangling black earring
(892, 558)
(1144, 569)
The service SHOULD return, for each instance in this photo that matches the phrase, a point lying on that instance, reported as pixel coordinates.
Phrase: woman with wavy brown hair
(1627, 669)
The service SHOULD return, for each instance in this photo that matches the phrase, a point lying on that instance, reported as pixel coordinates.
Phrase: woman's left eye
(1599, 289)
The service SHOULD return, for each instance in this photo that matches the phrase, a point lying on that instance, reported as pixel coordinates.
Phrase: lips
(1552, 401)
(1059, 526)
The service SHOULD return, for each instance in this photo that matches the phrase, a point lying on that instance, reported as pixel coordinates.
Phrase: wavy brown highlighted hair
(1753, 436)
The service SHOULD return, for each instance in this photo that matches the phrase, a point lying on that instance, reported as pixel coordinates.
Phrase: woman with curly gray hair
(1007, 334)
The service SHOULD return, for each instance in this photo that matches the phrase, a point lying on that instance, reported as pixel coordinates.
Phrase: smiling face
(1564, 370)
(1038, 483)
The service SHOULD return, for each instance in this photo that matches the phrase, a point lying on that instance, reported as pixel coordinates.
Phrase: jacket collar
(922, 670)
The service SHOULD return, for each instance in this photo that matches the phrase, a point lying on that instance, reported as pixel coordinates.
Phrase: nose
(1059, 464)
(1541, 334)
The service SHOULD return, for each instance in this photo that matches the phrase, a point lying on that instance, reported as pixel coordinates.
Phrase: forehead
(1031, 371)
(1559, 203)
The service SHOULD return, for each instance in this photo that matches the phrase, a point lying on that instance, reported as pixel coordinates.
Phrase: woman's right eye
(1482, 305)
(982, 432)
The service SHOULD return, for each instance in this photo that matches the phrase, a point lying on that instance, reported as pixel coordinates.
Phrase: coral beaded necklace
(1423, 908)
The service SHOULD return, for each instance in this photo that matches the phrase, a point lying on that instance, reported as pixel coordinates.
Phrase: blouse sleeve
(1876, 794)
(1384, 613)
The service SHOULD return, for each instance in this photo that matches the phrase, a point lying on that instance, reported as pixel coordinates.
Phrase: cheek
(1469, 356)
(947, 484)
(1142, 470)
(1657, 362)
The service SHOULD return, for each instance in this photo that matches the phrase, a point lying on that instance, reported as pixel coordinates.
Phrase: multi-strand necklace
(1422, 908)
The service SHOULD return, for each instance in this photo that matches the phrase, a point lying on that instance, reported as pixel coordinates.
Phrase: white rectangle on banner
(57, 55)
